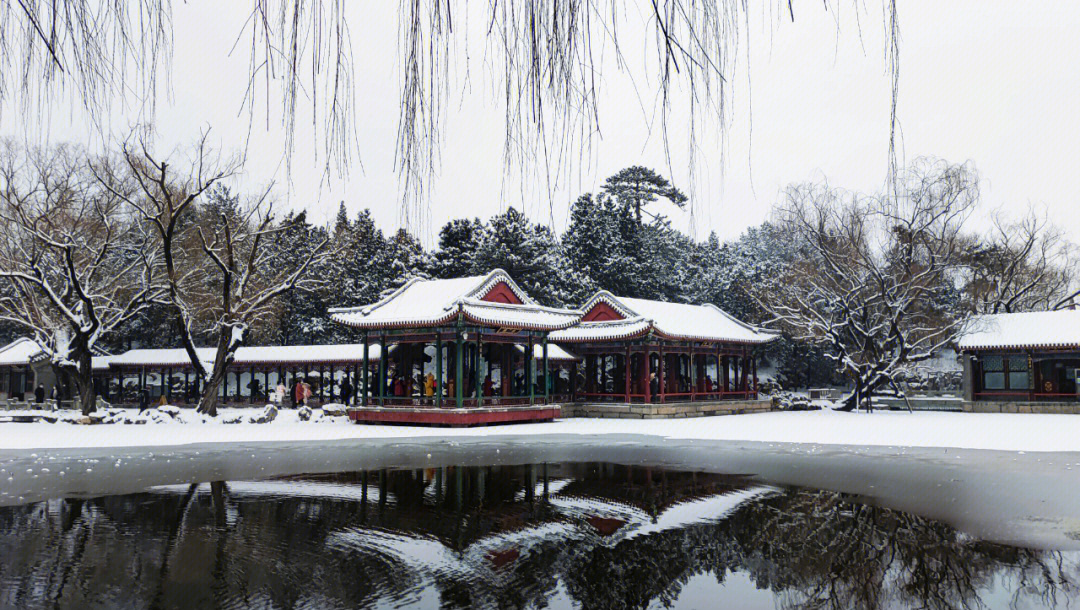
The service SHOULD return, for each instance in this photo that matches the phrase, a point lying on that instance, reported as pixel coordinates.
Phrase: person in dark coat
(39, 394)
(346, 392)
(144, 399)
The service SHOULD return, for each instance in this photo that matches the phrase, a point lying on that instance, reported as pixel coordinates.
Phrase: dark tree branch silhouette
(545, 58)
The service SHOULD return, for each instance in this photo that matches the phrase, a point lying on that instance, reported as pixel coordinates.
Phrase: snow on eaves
(423, 302)
(680, 321)
(1026, 330)
(603, 331)
(250, 355)
(19, 352)
(555, 353)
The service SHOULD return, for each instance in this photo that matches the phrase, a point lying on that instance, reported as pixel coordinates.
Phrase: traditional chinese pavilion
(456, 353)
(654, 352)
(1022, 362)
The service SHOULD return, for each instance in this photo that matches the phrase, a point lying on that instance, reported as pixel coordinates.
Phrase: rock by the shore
(268, 414)
(335, 409)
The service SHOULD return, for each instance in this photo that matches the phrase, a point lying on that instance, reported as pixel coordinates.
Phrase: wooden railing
(671, 397)
(1028, 396)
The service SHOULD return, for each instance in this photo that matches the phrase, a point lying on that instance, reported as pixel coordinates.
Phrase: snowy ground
(1009, 432)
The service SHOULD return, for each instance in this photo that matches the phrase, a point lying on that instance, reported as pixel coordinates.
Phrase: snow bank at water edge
(996, 431)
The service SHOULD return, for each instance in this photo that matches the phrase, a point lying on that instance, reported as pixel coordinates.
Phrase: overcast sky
(993, 82)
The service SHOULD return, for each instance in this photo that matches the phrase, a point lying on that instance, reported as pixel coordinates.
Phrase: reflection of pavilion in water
(582, 535)
(498, 509)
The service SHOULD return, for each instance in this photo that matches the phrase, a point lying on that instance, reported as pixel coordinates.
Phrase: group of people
(39, 394)
(422, 385)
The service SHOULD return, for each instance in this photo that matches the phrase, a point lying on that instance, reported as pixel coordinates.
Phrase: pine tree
(636, 187)
(532, 255)
(405, 259)
(459, 240)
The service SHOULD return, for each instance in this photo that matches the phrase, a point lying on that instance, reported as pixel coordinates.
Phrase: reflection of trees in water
(814, 549)
(823, 550)
(818, 549)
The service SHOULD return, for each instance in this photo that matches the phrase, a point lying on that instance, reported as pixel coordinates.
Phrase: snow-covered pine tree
(532, 255)
(455, 254)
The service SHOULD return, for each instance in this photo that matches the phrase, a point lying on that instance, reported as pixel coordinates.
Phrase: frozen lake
(544, 521)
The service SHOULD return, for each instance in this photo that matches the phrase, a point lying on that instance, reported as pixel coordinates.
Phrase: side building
(1022, 362)
(650, 359)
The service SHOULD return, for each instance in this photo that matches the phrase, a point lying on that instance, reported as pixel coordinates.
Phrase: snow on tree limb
(878, 286)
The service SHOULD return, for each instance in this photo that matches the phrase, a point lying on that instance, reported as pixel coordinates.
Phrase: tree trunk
(83, 374)
(862, 391)
(222, 358)
(209, 399)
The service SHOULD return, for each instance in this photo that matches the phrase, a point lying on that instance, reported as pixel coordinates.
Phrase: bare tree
(216, 269)
(545, 59)
(1020, 265)
(76, 260)
(878, 285)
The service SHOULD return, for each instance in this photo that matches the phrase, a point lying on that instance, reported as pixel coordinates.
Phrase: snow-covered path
(1009, 432)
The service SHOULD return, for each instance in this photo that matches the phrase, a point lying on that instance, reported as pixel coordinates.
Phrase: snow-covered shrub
(157, 416)
(335, 409)
(304, 413)
(268, 414)
(170, 410)
(769, 386)
(786, 401)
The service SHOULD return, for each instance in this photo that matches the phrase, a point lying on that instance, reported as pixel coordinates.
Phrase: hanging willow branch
(544, 57)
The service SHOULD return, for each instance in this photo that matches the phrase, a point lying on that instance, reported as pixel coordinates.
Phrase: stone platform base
(472, 416)
(988, 406)
(667, 410)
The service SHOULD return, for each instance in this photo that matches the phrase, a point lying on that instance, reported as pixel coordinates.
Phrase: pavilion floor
(443, 416)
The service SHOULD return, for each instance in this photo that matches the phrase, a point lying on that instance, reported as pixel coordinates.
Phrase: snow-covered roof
(1033, 329)
(422, 302)
(555, 353)
(19, 351)
(260, 355)
(680, 321)
(100, 363)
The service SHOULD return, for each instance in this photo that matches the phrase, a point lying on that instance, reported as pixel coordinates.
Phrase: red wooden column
(745, 374)
(573, 381)
(753, 366)
(646, 372)
(603, 373)
(724, 366)
(735, 367)
(660, 375)
(507, 374)
(590, 373)
(627, 375)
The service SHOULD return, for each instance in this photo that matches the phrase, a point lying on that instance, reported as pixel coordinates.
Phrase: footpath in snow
(993, 431)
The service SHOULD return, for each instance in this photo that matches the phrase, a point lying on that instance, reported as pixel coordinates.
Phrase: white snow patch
(994, 431)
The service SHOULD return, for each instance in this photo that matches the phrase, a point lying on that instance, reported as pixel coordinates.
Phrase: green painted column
(479, 368)
(547, 381)
(530, 370)
(693, 374)
(365, 403)
(459, 377)
(438, 371)
(381, 381)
